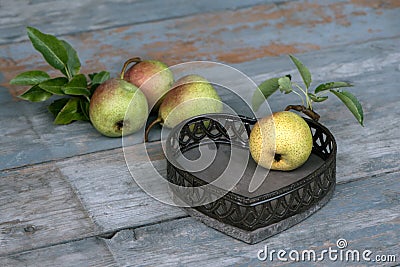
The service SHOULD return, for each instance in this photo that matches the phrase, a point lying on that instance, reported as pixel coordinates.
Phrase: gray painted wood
(84, 196)
(358, 212)
(85, 190)
(80, 16)
(86, 252)
(110, 195)
(112, 200)
(367, 65)
(39, 208)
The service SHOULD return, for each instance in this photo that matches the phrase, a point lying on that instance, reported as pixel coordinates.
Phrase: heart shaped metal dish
(282, 200)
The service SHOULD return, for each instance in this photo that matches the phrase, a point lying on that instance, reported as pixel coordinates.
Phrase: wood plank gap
(100, 235)
(21, 167)
(111, 234)
(368, 177)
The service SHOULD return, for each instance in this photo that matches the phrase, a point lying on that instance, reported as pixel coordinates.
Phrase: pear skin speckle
(153, 78)
(118, 108)
(293, 141)
(190, 96)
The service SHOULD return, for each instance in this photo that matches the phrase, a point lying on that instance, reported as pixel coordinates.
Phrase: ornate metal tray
(283, 199)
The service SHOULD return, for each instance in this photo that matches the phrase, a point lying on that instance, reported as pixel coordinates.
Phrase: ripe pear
(190, 96)
(293, 141)
(118, 108)
(154, 79)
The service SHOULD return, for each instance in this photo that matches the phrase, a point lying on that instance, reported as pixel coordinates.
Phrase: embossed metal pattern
(248, 213)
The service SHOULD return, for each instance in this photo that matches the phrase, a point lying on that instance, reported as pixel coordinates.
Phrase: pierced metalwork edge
(260, 234)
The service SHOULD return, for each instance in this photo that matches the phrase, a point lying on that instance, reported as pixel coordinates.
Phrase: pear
(154, 79)
(118, 108)
(190, 96)
(293, 141)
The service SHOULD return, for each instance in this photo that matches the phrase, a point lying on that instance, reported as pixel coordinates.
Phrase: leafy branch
(286, 85)
(72, 86)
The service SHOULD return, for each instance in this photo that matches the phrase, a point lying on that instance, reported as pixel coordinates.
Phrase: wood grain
(111, 198)
(30, 137)
(358, 212)
(39, 208)
(97, 15)
(86, 252)
(67, 197)
(91, 195)
(110, 195)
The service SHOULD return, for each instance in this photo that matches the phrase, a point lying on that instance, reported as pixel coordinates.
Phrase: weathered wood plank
(92, 194)
(57, 202)
(366, 65)
(96, 15)
(109, 193)
(39, 208)
(365, 213)
(86, 252)
(112, 200)
(214, 36)
(188, 242)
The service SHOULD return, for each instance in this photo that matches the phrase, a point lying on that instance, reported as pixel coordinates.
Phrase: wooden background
(66, 195)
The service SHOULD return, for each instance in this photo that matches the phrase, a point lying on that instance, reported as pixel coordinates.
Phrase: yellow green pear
(118, 108)
(190, 96)
(293, 141)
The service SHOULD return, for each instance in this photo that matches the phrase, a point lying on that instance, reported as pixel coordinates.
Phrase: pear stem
(146, 134)
(126, 64)
(309, 112)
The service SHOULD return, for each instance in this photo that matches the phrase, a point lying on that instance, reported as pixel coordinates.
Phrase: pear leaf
(285, 85)
(54, 86)
(265, 90)
(70, 112)
(316, 98)
(73, 63)
(304, 72)
(57, 106)
(32, 77)
(100, 77)
(35, 94)
(50, 47)
(77, 86)
(351, 103)
(331, 85)
(97, 79)
(91, 75)
(84, 107)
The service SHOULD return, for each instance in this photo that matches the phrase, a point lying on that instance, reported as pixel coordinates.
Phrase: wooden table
(66, 195)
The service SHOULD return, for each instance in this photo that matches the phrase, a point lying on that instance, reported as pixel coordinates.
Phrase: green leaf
(77, 86)
(32, 77)
(351, 103)
(70, 112)
(317, 98)
(331, 85)
(50, 47)
(57, 106)
(265, 90)
(285, 85)
(91, 75)
(97, 79)
(304, 72)
(73, 63)
(54, 86)
(100, 77)
(84, 107)
(35, 94)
